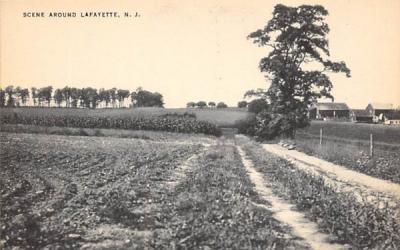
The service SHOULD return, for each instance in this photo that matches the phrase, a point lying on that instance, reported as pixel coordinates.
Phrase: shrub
(242, 104)
(257, 105)
(246, 126)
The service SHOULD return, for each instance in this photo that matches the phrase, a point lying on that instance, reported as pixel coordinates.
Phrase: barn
(379, 110)
(392, 118)
(361, 115)
(329, 111)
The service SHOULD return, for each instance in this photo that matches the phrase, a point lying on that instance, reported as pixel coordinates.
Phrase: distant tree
(221, 105)
(144, 98)
(113, 96)
(296, 36)
(257, 105)
(81, 97)
(242, 104)
(104, 96)
(122, 95)
(75, 95)
(211, 104)
(66, 93)
(201, 104)
(190, 104)
(24, 95)
(2, 98)
(58, 97)
(90, 97)
(45, 94)
(10, 95)
(17, 96)
(34, 95)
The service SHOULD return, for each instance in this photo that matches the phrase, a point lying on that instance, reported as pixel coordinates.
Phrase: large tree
(58, 97)
(75, 95)
(296, 36)
(44, 94)
(2, 98)
(201, 104)
(122, 95)
(34, 93)
(144, 98)
(10, 91)
(23, 95)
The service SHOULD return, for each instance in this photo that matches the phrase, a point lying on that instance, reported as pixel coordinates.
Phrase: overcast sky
(190, 50)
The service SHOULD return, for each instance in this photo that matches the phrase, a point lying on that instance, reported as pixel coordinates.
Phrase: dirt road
(335, 174)
(285, 212)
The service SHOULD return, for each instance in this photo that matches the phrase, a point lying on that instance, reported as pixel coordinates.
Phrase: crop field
(169, 191)
(182, 123)
(226, 117)
(348, 144)
(98, 192)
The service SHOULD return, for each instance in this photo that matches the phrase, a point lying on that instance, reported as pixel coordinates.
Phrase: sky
(190, 50)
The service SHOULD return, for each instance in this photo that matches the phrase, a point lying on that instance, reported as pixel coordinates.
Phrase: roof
(331, 106)
(361, 113)
(379, 105)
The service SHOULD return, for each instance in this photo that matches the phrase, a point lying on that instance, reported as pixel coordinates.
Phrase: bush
(242, 104)
(263, 125)
(246, 126)
(257, 105)
(268, 125)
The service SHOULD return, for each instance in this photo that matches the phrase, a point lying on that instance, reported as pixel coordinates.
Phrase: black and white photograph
(229, 124)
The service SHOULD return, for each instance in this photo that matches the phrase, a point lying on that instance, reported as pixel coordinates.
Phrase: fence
(371, 141)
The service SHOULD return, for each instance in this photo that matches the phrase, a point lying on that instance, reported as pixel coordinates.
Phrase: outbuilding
(361, 115)
(329, 110)
(376, 109)
(392, 118)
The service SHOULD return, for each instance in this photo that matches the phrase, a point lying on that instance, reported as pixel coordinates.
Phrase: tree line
(254, 106)
(71, 97)
(203, 104)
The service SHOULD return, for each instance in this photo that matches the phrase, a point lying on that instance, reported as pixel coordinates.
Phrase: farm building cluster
(384, 113)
